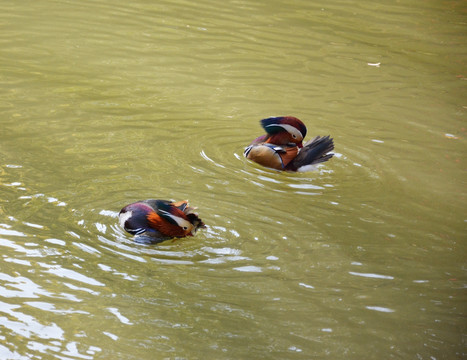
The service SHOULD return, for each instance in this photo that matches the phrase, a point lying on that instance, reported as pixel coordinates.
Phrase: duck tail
(313, 152)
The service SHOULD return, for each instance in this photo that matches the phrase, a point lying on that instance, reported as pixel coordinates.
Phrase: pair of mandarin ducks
(280, 148)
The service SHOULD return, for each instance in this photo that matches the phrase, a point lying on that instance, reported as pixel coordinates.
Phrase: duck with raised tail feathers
(158, 220)
(282, 146)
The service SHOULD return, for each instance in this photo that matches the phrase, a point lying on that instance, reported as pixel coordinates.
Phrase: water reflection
(33, 269)
(380, 309)
(69, 274)
(25, 288)
(26, 325)
(119, 316)
(374, 276)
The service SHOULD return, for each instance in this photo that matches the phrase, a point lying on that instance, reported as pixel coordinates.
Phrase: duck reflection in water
(282, 146)
(154, 221)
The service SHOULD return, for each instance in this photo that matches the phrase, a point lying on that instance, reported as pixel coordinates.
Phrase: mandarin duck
(282, 146)
(159, 220)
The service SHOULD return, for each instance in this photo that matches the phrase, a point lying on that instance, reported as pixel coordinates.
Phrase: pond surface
(107, 102)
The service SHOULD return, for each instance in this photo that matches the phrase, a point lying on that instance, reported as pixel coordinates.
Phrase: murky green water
(107, 102)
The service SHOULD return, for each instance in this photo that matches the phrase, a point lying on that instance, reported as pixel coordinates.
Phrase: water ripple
(25, 288)
(380, 309)
(26, 325)
(62, 272)
(119, 316)
(373, 276)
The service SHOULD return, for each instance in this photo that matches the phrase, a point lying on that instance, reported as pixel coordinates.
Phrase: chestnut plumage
(160, 219)
(282, 146)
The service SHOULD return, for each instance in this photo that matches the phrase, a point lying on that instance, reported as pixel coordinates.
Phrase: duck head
(284, 130)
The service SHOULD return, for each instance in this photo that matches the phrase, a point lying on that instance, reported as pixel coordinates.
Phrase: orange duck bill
(160, 219)
(282, 146)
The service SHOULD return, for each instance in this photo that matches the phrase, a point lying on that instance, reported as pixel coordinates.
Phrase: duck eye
(185, 228)
(294, 136)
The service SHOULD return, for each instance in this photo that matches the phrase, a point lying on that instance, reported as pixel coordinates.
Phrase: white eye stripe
(124, 217)
(290, 129)
(184, 224)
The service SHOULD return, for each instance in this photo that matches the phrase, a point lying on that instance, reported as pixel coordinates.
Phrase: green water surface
(107, 102)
